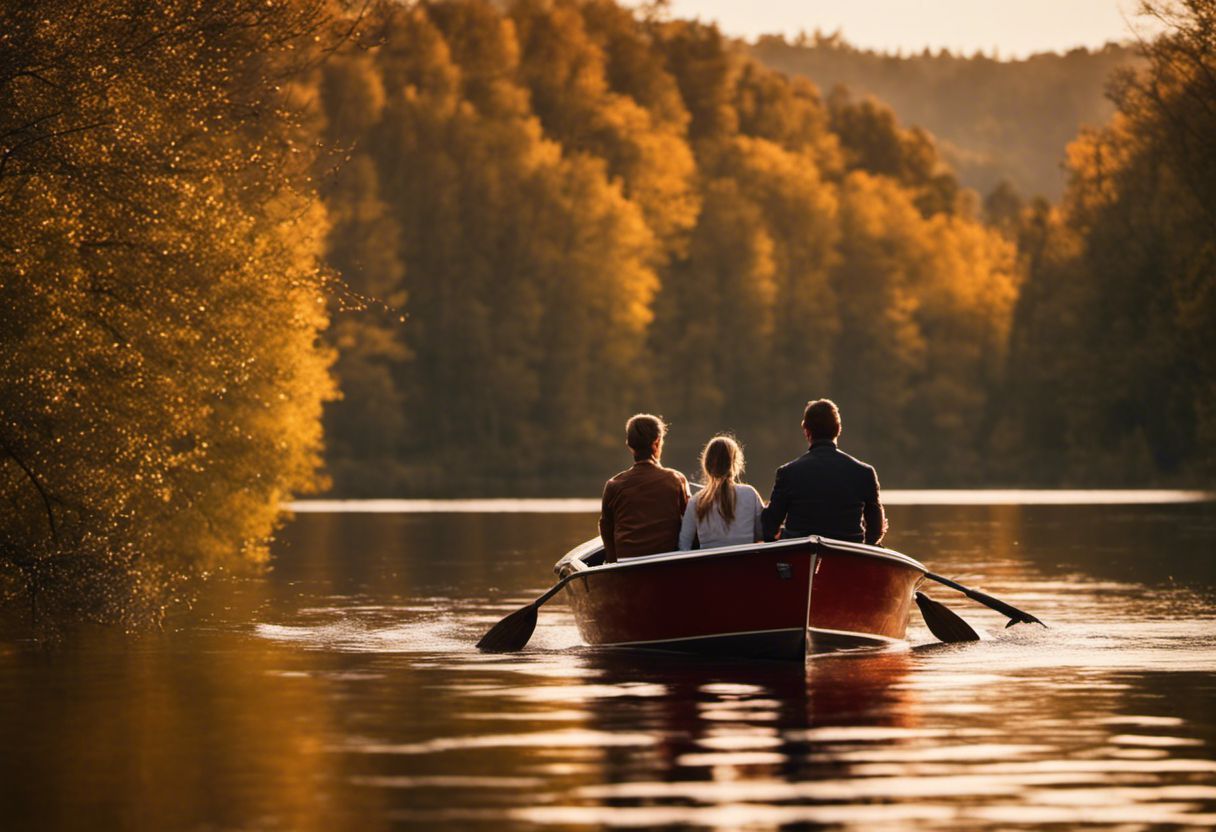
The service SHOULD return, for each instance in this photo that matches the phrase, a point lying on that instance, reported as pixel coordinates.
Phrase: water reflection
(342, 691)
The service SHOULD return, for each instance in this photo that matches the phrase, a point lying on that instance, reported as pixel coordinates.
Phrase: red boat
(778, 600)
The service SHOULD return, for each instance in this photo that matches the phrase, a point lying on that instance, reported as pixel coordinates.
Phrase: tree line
(594, 212)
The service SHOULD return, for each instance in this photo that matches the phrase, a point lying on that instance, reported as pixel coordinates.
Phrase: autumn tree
(925, 306)
(874, 141)
(160, 296)
(566, 72)
(529, 270)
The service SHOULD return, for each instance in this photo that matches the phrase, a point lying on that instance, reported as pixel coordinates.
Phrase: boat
(781, 600)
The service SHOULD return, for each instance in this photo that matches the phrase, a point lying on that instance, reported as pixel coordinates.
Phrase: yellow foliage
(162, 301)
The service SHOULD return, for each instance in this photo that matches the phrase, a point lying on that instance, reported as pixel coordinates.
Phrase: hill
(993, 119)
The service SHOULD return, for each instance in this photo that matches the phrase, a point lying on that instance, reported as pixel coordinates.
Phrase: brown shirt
(642, 510)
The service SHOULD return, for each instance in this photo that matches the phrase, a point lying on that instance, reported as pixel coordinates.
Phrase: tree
(925, 305)
(160, 297)
(703, 66)
(565, 71)
(1003, 208)
(874, 142)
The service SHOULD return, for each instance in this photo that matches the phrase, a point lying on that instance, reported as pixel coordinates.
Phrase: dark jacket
(827, 492)
(642, 510)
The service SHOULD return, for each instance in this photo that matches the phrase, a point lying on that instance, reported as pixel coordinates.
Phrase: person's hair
(641, 432)
(721, 464)
(822, 419)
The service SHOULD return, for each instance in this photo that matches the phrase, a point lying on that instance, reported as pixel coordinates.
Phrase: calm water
(341, 691)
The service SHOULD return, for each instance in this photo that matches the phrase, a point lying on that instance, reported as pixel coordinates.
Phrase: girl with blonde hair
(725, 512)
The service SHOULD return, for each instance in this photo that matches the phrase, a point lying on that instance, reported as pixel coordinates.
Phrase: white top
(713, 531)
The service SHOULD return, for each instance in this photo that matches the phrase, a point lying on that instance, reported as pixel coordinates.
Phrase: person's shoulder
(746, 491)
(617, 478)
(864, 470)
(793, 463)
(674, 473)
(796, 462)
(854, 460)
(680, 479)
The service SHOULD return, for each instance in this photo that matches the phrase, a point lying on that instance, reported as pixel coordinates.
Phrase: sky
(1015, 28)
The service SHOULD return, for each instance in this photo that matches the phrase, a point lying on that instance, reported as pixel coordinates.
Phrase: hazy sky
(1015, 27)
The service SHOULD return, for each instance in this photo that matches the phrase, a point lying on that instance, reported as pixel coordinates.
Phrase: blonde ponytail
(721, 465)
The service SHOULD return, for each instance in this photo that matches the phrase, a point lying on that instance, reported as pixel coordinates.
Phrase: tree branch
(46, 498)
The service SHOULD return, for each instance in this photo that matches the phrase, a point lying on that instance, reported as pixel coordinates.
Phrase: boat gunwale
(858, 634)
(817, 541)
(709, 637)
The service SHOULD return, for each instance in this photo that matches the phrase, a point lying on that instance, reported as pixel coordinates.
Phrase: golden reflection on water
(944, 736)
(342, 691)
(141, 743)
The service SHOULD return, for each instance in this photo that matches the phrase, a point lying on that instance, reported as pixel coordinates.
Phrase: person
(642, 506)
(825, 491)
(725, 512)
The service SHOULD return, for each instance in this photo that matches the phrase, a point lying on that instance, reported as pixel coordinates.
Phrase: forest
(595, 213)
(265, 249)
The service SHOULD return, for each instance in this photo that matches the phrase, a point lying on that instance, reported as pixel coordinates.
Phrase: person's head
(821, 420)
(644, 436)
(722, 459)
(721, 465)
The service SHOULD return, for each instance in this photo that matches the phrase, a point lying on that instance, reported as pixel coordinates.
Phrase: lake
(341, 691)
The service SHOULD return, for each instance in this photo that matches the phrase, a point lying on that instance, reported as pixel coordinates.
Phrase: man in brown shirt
(643, 505)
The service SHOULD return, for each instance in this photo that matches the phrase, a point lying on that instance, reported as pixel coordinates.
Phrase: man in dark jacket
(825, 491)
(643, 505)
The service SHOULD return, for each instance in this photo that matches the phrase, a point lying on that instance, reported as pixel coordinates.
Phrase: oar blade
(512, 633)
(943, 622)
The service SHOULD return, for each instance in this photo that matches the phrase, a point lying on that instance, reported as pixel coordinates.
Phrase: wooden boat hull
(776, 600)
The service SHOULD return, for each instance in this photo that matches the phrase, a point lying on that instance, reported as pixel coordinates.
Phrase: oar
(513, 632)
(943, 622)
(1015, 615)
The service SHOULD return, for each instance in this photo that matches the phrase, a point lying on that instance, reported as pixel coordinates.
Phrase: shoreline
(892, 497)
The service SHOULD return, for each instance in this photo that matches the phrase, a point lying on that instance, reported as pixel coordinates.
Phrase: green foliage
(160, 298)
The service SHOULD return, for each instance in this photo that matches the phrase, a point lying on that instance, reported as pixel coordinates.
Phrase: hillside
(993, 119)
